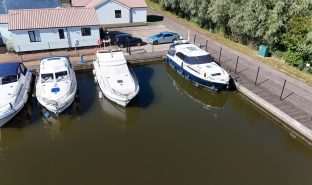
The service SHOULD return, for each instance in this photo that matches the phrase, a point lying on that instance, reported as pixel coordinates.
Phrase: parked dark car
(122, 40)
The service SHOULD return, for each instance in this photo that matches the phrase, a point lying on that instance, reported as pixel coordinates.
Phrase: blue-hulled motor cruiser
(197, 66)
(15, 82)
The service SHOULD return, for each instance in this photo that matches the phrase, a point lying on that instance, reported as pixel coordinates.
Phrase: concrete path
(296, 100)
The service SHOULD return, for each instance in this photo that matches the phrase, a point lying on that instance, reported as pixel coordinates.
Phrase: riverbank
(277, 63)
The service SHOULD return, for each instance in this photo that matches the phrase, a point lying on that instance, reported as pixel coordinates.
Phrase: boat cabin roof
(10, 68)
(53, 64)
(108, 56)
(189, 50)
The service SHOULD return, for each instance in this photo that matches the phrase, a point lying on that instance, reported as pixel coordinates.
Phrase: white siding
(50, 39)
(106, 13)
(5, 34)
(139, 14)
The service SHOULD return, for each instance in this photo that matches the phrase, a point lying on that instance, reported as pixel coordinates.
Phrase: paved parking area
(143, 32)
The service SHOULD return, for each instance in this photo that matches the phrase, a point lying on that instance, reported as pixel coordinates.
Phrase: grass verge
(277, 63)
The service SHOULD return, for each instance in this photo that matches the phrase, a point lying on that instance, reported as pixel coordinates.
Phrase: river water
(172, 133)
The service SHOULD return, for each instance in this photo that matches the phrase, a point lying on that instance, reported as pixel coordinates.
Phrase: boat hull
(112, 97)
(194, 79)
(7, 118)
(58, 110)
(10, 115)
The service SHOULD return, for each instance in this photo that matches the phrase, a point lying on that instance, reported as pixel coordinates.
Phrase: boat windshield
(47, 77)
(60, 76)
(8, 79)
(203, 59)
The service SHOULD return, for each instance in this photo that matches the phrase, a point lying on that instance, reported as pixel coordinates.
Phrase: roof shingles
(52, 18)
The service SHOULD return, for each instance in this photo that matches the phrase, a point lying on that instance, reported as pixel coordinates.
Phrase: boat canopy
(201, 59)
(9, 69)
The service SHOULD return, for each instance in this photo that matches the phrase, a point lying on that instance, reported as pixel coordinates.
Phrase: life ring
(100, 41)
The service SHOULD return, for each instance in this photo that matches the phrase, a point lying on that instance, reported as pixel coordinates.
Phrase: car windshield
(62, 75)
(159, 35)
(199, 59)
(8, 79)
(47, 77)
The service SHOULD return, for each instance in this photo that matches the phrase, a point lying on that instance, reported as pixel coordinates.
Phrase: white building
(42, 29)
(116, 12)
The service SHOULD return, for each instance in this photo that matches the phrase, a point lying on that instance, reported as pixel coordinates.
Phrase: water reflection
(14, 131)
(120, 116)
(64, 122)
(208, 99)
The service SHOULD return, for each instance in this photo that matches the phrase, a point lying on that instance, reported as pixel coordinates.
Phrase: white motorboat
(197, 66)
(56, 84)
(116, 81)
(15, 82)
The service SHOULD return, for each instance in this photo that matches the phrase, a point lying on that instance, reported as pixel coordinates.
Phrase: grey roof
(6, 5)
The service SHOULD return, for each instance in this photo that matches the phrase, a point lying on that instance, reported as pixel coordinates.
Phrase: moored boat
(56, 84)
(197, 66)
(117, 82)
(15, 82)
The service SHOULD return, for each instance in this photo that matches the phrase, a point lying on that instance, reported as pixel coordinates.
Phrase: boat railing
(136, 81)
(6, 106)
(11, 103)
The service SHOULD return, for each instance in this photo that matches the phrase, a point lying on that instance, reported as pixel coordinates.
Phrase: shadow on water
(87, 91)
(146, 95)
(207, 98)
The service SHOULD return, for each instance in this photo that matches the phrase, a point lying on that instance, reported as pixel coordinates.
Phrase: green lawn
(275, 62)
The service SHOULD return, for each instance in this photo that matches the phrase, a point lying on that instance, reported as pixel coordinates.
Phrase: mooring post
(236, 64)
(257, 75)
(207, 45)
(283, 90)
(194, 38)
(220, 55)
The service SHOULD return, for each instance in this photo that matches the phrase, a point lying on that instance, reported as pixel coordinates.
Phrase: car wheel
(121, 45)
(173, 40)
(155, 42)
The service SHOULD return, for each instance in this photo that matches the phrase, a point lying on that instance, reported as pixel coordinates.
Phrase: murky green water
(172, 134)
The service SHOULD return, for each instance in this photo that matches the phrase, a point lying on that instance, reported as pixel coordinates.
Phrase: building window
(117, 13)
(61, 34)
(34, 36)
(86, 31)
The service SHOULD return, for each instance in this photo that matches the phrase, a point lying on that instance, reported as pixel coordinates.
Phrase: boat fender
(47, 114)
(95, 79)
(182, 65)
(93, 71)
(100, 95)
